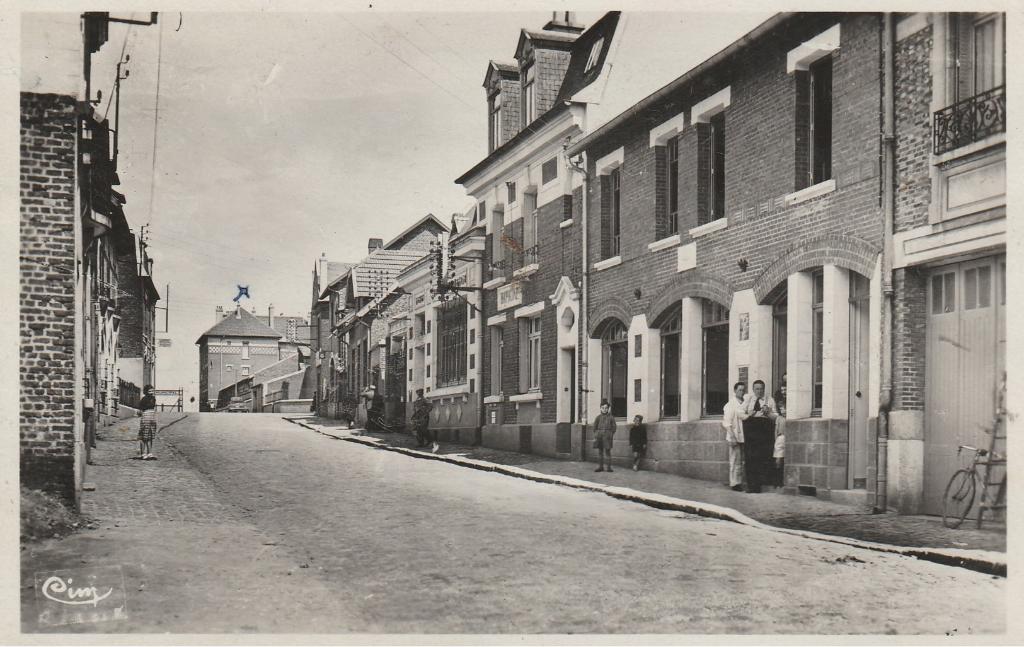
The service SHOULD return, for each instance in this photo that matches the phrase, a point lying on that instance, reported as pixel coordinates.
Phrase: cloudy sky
(284, 135)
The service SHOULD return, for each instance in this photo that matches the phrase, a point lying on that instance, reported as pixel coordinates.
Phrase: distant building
(237, 346)
(137, 309)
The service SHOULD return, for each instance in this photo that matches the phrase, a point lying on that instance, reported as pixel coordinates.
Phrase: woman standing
(147, 426)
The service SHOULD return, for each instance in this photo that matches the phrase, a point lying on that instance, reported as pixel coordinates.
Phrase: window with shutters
(814, 123)
(711, 165)
(671, 188)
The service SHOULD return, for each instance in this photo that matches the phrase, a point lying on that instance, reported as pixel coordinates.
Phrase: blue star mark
(243, 291)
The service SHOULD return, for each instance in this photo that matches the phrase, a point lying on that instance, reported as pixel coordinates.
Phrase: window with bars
(452, 369)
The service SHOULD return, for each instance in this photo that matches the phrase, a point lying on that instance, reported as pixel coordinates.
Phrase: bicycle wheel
(958, 499)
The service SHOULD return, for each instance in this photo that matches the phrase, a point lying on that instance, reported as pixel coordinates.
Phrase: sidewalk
(792, 512)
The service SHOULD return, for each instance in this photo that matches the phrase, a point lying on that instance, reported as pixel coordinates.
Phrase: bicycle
(959, 496)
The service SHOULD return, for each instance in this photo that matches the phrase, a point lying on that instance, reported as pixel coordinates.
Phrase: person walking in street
(604, 433)
(733, 416)
(638, 440)
(421, 421)
(759, 437)
(147, 425)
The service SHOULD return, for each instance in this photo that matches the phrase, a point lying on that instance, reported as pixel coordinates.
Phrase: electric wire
(408, 64)
(156, 117)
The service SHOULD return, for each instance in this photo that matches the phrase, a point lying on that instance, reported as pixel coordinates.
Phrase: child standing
(638, 440)
(780, 436)
(147, 426)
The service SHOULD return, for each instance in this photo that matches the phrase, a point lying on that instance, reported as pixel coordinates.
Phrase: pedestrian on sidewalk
(732, 420)
(147, 426)
(604, 433)
(638, 440)
(779, 453)
(421, 409)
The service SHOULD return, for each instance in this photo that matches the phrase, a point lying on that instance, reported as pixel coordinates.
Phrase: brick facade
(766, 237)
(48, 423)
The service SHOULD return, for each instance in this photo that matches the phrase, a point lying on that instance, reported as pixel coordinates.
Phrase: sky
(281, 136)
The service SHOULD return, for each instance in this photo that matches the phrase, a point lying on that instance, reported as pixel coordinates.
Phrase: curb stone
(982, 561)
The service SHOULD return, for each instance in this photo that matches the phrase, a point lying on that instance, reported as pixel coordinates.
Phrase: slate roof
(372, 277)
(575, 80)
(240, 324)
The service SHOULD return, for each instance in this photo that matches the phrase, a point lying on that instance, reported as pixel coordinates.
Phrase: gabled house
(235, 347)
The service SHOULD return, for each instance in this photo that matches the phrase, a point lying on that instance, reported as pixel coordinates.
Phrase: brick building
(328, 277)
(360, 343)
(234, 348)
(734, 234)
(136, 308)
(524, 192)
(72, 232)
(949, 252)
(737, 220)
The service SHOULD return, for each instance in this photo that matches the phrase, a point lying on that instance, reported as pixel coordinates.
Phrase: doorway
(860, 328)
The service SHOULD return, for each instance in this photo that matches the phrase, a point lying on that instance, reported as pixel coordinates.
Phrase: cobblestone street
(249, 523)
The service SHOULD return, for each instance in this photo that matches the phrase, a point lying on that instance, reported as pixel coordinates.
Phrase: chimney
(270, 315)
(238, 312)
(564, 21)
(219, 315)
(375, 243)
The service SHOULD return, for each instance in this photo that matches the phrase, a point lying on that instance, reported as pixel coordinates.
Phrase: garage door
(965, 355)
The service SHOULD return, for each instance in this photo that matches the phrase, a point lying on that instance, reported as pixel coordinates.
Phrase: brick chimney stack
(270, 315)
(219, 315)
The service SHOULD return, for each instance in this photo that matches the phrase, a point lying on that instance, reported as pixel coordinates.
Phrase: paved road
(250, 523)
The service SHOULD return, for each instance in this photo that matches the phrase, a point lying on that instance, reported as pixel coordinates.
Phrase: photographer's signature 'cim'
(57, 589)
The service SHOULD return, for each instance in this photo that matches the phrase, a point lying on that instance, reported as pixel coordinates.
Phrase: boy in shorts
(638, 440)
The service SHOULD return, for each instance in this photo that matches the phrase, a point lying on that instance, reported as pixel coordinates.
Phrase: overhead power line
(156, 117)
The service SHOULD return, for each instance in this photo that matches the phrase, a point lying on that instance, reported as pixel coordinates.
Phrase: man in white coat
(732, 419)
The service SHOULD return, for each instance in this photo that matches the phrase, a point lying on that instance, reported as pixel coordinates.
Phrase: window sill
(565, 224)
(711, 227)
(526, 397)
(494, 283)
(494, 399)
(665, 243)
(526, 271)
(968, 149)
(813, 191)
(608, 262)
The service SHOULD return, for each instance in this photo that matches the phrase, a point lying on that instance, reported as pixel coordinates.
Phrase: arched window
(615, 367)
(671, 325)
(715, 353)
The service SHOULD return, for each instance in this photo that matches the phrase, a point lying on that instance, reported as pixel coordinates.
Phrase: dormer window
(495, 121)
(595, 54)
(529, 96)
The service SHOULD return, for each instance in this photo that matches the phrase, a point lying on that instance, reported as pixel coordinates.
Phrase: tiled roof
(240, 324)
(372, 277)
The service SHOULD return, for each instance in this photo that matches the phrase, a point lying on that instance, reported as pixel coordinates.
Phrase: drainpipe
(583, 378)
(888, 214)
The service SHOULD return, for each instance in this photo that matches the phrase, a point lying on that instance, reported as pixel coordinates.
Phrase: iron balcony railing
(970, 120)
(530, 255)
